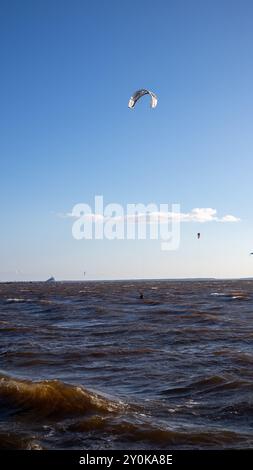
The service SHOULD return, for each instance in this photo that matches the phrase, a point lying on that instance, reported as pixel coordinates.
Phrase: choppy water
(92, 366)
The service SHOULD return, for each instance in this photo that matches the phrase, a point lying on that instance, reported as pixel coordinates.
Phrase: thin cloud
(229, 218)
(199, 215)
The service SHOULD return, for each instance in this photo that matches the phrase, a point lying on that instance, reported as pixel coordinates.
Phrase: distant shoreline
(187, 279)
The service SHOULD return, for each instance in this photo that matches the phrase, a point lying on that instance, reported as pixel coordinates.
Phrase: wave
(163, 435)
(232, 295)
(11, 440)
(13, 300)
(51, 398)
(74, 410)
(219, 294)
(210, 384)
(238, 356)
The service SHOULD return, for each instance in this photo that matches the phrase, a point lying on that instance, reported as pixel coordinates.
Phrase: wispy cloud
(73, 215)
(199, 215)
(229, 218)
(65, 215)
(206, 214)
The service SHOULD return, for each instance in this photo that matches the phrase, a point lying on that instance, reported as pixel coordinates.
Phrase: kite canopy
(138, 94)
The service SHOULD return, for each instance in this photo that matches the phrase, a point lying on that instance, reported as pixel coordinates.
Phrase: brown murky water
(90, 365)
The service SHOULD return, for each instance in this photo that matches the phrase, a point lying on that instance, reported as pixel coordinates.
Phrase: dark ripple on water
(91, 365)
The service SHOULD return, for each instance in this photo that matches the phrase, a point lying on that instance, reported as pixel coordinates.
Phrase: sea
(126, 365)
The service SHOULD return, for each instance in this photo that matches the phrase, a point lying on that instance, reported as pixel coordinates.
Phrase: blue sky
(68, 69)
